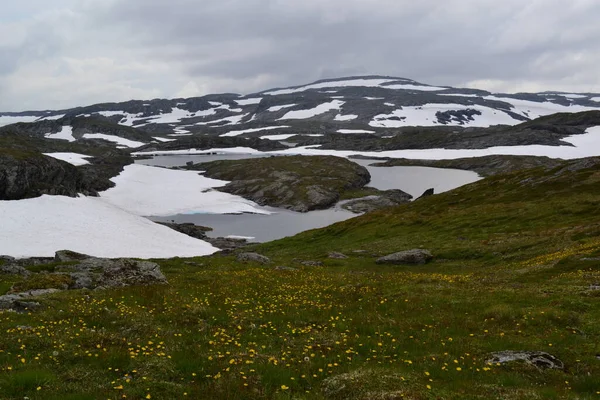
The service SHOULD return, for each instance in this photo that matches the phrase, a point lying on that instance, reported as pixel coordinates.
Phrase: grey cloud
(250, 45)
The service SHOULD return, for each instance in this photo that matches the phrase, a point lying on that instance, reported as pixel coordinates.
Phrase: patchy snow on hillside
(247, 102)
(66, 133)
(8, 120)
(534, 109)
(596, 99)
(115, 139)
(408, 86)
(426, 116)
(354, 131)
(348, 117)
(72, 158)
(265, 128)
(162, 139)
(41, 226)
(340, 83)
(320, 109)
(277, 137)
(152, 191)
(277, 108)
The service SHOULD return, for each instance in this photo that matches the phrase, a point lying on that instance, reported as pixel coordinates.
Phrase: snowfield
(8, 120)
(152, 191)
(426, 116)
(39, 227)
(247, 102)
(277, 108)
(320, 109)
(65, 134)
(72, 158)
(354, 131)
(348, 117)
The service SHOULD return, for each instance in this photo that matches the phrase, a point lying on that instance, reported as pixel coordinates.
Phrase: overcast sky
(64, 53)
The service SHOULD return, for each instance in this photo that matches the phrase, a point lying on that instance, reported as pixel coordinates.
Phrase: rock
(415, 256)
(6, 259)
(254, 257)
(193, 230)
(19, 301)
(284, 268)
(538, 359)
(388, 198)
(68, 256)
(336, 255)
(13, 269)
(312, 263)
(123, 272)
(427, 193)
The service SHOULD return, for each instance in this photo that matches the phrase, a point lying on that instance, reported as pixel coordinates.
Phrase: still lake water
(282, 223)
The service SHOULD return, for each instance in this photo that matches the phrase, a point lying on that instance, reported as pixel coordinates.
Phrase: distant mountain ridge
(380, 107)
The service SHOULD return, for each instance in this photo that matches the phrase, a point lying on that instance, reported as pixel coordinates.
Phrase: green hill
(516, 267)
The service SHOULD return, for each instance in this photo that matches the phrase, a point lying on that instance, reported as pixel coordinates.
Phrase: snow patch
(247, 102)
(66, 133)
(240, 132)
(162, 139)
(72, 158)
(533, 109)
(354, 131)
(277, 137)
(343, 83)
(348, 117)
(408, 86)
(320, 109)
(115, 139)
(8, 120)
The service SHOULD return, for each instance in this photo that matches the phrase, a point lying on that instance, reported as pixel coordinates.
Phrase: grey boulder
(414, 256)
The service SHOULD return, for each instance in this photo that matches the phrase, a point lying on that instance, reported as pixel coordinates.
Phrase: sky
(65, 53)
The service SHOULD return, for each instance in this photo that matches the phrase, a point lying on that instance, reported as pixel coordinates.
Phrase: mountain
(378, 106)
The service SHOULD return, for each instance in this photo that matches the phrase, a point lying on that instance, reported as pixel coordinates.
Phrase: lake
(282, 223)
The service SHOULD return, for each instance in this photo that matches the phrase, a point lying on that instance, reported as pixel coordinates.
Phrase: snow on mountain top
(340, 83)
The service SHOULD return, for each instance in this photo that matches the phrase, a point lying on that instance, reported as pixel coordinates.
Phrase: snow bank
(320, 109)
(39, 227)
(354, 131)
(277, 137)
(151, 191)
(247, 102)
(66, 133)
(72, 158)
(534, 109)
(115, 139)
(407, 86)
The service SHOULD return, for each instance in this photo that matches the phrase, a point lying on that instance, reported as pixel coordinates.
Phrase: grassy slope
(510, 273)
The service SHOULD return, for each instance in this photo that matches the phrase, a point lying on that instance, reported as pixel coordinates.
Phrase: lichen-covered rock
(337, 255)
(19, 301)
(254, 257)
(414, 256)
(13, 269)
(538, 359)
(68, 255)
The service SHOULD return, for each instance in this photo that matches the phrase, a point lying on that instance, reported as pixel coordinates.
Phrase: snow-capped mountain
(354, 105)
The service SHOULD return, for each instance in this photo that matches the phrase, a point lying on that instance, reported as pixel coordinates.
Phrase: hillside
(515, 267)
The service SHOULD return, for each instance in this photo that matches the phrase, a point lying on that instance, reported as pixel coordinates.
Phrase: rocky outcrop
(199, 232)
(213, 142)
(78, 271)
(388, 198)
(337, 255)
(25, 174)
(538, 359)
(298, 183)
(414, 256)
(253, 257)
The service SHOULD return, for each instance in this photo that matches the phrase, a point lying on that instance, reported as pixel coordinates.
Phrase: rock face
(199, 232)
(254, 257)
(298, 183)
(26, 174)
(538, 359)
(415, 256)
(388, 198)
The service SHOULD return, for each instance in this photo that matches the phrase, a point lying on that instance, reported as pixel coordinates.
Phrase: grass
(515, 258)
